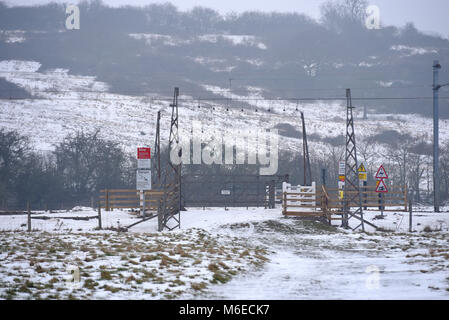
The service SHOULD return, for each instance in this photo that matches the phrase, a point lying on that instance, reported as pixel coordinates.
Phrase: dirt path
(312, 261)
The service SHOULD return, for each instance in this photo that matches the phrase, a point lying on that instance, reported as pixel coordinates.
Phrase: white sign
(381, 187)
(144, 163)
(226, 192)
(143, 179)
(341, 168)
(381, 173)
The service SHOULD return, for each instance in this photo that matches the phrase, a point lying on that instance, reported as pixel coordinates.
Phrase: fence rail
(111, 199)
(326, 201)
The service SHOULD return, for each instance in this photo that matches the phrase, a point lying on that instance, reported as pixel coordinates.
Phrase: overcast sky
(428, 15)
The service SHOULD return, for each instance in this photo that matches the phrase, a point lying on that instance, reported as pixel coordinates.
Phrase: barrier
(309, 202)
(111, 199)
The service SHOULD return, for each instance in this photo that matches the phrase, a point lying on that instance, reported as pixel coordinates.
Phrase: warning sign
(363, 176)
(381, 187)
(341, 178)
(143, 179)
(341, 168)
(143, 158)
(381, 173)
(143, 153)
(361, 168)
(341, 194)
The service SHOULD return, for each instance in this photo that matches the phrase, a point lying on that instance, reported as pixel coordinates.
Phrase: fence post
(99, 217)
(410, 213)
(405, 197)
(107, 200)
(92, 202)
(284, 203)
(29, 216)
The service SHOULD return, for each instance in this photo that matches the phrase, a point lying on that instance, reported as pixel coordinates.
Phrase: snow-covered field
(224, 254)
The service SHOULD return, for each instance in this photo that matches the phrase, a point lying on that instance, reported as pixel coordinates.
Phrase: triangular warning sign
(362, 168)
(381, 173)
(381, 187)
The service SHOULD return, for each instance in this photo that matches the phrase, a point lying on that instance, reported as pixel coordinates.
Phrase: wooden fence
(111, 199)
(326, 202)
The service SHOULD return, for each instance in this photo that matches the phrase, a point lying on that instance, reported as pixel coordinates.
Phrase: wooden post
(405, 197)
(284, 203)
(29, 216)
(99, 216)
(92, 202)
(107, 200)
(410, 213)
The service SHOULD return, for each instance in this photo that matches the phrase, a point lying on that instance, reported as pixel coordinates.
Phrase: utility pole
(436, 118)
(436, 178)
(157, 149)
(305, 153)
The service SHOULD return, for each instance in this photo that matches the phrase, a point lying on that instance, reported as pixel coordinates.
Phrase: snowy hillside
(65, 102)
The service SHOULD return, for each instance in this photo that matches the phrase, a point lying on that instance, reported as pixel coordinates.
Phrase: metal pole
(382, 204)
(143, 204)
(436, 178)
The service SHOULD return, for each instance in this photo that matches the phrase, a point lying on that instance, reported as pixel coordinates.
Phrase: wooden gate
(326, 202)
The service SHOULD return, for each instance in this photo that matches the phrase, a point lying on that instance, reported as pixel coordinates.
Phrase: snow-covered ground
(66, 102)
(251, 254)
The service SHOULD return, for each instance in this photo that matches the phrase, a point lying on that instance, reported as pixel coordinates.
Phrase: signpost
(143, 174)
(341, 178)
(143, 158)
(381, 187)
(363, 178)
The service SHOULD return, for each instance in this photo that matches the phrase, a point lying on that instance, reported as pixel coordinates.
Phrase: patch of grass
(53, 280)
(90, 284)
(244, 253)
(105, 275)
(220, 277)
(213, 267)
(165, 261)
(149, 258)
(179, 282)
(112, 289)
(199, 286)
(24, 288)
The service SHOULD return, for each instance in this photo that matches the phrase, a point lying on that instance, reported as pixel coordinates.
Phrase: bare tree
(343, 14)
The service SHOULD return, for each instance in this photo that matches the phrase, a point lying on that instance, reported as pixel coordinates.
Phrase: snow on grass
(236, 253)
(314, 261)
(119, 265)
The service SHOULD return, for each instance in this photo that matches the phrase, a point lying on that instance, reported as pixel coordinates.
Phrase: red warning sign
(381, 173)
(381, 187)
(143, 153)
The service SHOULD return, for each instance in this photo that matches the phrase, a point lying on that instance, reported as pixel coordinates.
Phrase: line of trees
(84, 163)
(80, 166)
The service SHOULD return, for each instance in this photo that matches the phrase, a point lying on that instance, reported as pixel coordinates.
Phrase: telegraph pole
(436, 178)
